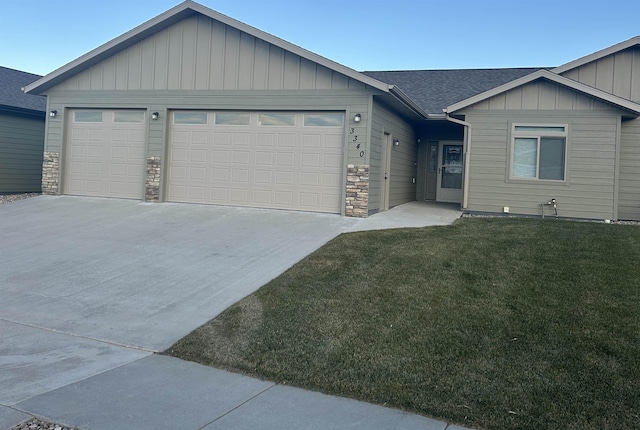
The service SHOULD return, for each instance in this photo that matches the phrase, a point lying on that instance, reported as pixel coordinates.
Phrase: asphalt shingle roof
(433, 90)
(11, 95)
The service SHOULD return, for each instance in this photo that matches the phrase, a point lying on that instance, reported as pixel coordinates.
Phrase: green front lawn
(496, 323)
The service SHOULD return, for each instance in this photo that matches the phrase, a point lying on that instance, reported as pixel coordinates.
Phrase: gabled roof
(11, 95)
(633, 108)
(634, 41)
(178, 13)
(433, 90)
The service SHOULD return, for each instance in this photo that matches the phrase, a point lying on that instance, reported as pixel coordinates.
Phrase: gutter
(467, 155)
(404, 99)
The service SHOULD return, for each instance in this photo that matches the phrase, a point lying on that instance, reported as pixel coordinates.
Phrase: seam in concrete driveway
(238, 406)
(108, 342)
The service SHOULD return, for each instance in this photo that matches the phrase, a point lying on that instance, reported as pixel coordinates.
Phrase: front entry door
(385, 172)
(450, 172)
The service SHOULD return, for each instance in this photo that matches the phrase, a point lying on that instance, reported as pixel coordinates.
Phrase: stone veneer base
(50, 173)
(152, 181)
(357, 191)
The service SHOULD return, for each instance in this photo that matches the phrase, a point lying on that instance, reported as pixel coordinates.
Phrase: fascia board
(169, 17)
(545, 74)
(597, 55)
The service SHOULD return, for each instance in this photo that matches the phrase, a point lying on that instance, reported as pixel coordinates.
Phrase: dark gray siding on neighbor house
(21, 146)
(589, 190)
(402, 188)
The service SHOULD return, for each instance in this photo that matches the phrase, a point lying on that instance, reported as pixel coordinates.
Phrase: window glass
(281, 119)
(540, 128)
(87, 116)
(552, 158)
(539, 152)
(232, 118)
(128, 116)
(331, 119)
(189, 117)
(525, 156)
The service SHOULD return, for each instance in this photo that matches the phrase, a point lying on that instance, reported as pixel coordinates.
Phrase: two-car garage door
(283, 160)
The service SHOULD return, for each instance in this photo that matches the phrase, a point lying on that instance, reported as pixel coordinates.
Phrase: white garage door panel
(105, 158)
(292, 167)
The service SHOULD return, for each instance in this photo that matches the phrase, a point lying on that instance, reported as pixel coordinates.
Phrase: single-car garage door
(280, 160)
(105, 153)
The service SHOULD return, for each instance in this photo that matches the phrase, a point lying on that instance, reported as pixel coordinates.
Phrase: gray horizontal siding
(629, 185)
(21, 150)
(589, 189)
(402, 188)
(199, 53)
(617, 74)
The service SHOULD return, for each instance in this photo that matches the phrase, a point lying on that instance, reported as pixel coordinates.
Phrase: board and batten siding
(629, 185)
(402, 187)
(593, 130)
(200, 53)
(617, 74)
(21, 150)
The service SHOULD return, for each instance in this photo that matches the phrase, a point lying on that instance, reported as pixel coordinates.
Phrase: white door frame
(445, 193)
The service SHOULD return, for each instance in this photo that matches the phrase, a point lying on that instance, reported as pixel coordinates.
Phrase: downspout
(467, 155)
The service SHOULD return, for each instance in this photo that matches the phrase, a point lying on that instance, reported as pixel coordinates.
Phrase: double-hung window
(539, 152)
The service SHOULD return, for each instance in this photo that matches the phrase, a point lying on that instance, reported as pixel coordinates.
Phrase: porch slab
(412, 214)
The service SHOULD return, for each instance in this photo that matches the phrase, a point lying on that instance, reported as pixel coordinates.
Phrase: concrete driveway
(91, 288)
(115, 273)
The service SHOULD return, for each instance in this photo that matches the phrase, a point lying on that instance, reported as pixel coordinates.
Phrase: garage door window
(128, 116)
(277, 119)
(190, 118)
(331, 119)
(87, 116)
(232, 118)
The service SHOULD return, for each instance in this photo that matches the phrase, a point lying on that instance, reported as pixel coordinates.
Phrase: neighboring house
(21, 133)
(194, 106)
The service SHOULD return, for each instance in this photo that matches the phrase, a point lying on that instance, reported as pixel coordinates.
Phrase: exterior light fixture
(357, 118)
(53, 113)
(396, 142)
(155, 115)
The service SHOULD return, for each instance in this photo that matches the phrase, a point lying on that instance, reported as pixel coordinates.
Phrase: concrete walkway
(90, 289)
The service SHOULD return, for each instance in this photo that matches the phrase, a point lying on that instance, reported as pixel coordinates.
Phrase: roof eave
(406, 100)
(174, 15)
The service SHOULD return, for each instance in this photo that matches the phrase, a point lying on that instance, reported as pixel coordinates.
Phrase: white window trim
(538, 134)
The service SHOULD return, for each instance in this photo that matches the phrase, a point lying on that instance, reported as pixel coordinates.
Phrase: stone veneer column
(50, 173)
(357, 200)
(152, 182)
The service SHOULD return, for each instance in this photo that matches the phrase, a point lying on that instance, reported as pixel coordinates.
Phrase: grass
(489, 323)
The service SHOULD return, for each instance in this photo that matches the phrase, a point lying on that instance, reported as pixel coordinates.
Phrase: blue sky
(40, 36)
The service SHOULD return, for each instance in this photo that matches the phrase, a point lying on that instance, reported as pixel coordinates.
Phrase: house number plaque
(356, 140)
